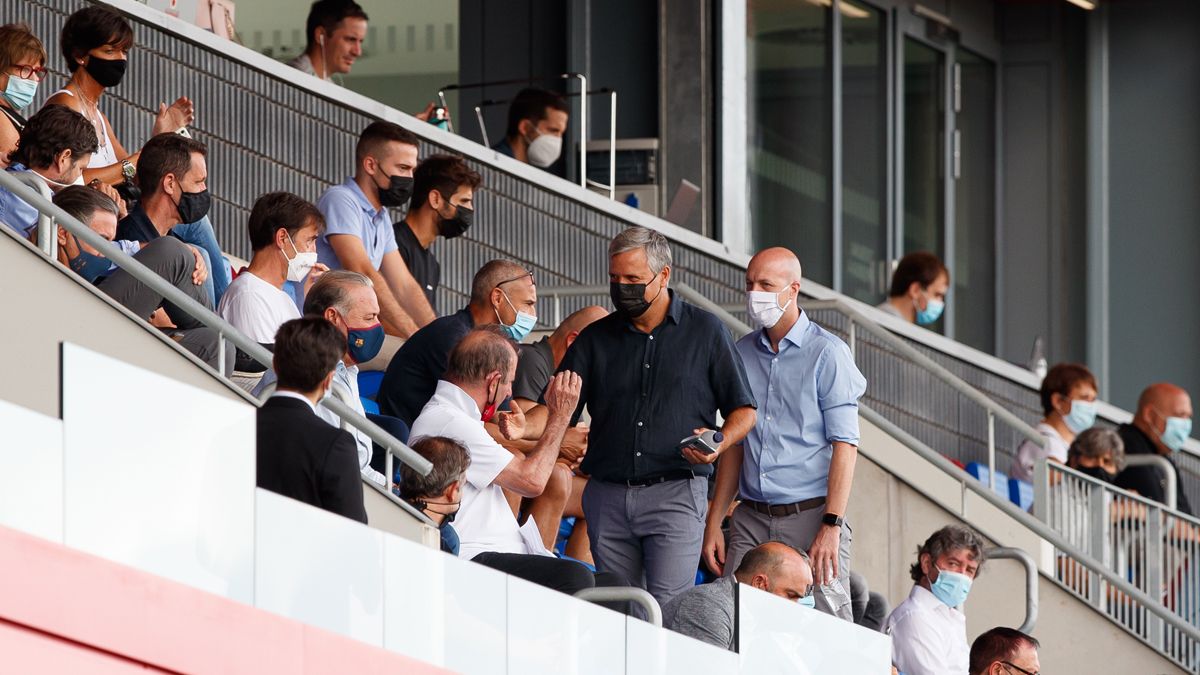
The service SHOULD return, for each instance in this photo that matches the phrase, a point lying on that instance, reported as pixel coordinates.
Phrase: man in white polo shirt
(478, 379)
(283, 233)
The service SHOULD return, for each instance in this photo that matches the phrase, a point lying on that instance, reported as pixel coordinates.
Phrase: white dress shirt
(928, 638)
(485, 522)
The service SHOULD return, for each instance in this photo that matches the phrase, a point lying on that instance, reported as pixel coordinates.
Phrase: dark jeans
(566, 576)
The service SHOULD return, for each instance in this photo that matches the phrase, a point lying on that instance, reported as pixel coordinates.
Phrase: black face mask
(193, 206)
(106, 72)
(1097, 472)
(398, 191)
(630, 299)
(457, 224)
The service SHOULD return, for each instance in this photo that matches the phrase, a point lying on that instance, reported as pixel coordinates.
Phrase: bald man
(1160, 426)
(795, 467)
(709, 612)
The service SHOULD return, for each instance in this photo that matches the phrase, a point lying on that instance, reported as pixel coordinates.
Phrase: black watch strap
(832, 519)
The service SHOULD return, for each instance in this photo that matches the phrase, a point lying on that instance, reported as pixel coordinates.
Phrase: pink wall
(69, 612)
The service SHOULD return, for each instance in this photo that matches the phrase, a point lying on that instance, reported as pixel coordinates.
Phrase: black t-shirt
(421, 262)
(413, 374)
(535, 367)
(1148, 481)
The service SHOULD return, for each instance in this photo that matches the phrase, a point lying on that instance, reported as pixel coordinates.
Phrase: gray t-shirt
(535, 367)
(888, 307)
(704, 612)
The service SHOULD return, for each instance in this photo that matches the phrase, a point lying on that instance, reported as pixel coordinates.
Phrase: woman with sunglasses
(95, 43)
(22, 67)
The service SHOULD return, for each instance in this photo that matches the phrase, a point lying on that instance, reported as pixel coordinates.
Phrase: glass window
(788, 94)
(924, 147)
(864, 152)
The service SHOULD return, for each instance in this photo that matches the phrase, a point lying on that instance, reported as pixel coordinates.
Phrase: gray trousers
(650, 535)
(172, 260)
(749, 528)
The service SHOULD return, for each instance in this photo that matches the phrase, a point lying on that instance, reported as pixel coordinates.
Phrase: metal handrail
(1031, 582)
(625, 594)
(224, 329)
(1172, 487)
(1033, 524)
(47, 235)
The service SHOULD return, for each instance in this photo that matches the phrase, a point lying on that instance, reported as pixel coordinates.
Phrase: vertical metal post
(1041, 490)
(221, 353)
(557, 310)
(389, 467)
(449, 120)
(612, 147)
(482, 127)
(852, 339)
(991, 441)
(1154, 572)
(835, 130)
(1098, 525)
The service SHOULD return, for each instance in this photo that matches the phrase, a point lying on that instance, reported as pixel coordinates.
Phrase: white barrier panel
(318, 568)
(31, 472)
(158, 475)
(654, 651)
(445, 611)
(551, 632)
(778, 636)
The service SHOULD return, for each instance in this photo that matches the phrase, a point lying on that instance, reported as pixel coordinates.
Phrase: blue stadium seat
(369, 406)
(1020, 493)
(980, 472)
(368, 384)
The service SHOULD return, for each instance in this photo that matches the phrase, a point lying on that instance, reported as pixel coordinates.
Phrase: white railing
(1154, 548)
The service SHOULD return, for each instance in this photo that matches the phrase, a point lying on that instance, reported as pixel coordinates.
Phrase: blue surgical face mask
(1176, 432)
(363, 344)
(90, 266)
(1082, 416)
(809, 601)
(951, 588)
(932, 312)
(523, 324)
(20, 91)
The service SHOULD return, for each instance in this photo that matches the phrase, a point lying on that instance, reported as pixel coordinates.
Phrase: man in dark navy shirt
(1161, 426)
(501, 291)
(654, 373)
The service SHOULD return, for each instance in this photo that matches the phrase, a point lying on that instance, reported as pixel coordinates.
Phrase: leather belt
(780, 510)
(682, 474)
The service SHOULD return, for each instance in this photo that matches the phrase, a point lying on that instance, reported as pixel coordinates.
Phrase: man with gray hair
(709, 612)
(438, 494)
(347, 300)
(929, 629)
(654, 373)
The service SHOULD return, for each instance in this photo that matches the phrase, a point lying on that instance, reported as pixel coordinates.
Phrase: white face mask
(764, 309)
(301, 265)
(544, 150)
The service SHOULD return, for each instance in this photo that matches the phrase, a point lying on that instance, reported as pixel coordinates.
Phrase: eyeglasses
(509, 281)
(30, 72)
(1018, 668)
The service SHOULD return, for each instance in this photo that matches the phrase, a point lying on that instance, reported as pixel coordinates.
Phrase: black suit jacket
(303, 457)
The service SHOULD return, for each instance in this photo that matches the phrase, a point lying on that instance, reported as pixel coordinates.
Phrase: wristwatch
(832, 519)
(128, 169)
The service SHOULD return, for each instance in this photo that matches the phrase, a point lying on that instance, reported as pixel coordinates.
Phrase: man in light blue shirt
(358, 229)
(794, 469)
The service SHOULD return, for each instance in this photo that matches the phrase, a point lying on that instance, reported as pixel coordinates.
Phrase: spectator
(654, 372)
(22, 68)
(563, 495)
(442, 204)
(709, 612)
(919, 287)
(174, 185)
(480, 375)
(1069, 404)
(502, 292)
(336, 30)
(55, 146)
(299, 455)
(537, 120)
(1161, 426)
(358, 232)
(929, 629)
(797, 463)
(283, 234)
(170, 258)
(347, 300)
(1099, 453)
(95, 44)
(870, 608)
(1005, 651)
(442, 488)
